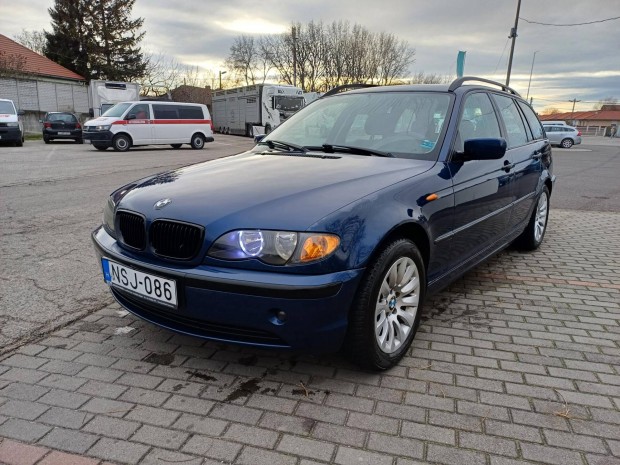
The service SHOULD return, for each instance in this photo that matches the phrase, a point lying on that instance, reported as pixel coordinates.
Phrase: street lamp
(221, 72)
(531, 70)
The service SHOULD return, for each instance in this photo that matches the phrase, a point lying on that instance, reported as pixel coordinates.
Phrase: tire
(20, 142)
(176, 146)
(100, 147)
(379, 298)
(534, 233)
(46, 139)
(267, 129)
(197, 142)
(566, 143)
(79, 141)
(121, 143)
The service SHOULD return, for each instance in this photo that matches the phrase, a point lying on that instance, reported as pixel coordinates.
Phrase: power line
(502, 55)
(573, 24)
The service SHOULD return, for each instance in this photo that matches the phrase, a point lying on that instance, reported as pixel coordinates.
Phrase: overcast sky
(581, 62)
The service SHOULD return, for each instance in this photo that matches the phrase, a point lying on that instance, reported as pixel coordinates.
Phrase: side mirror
(91, 112)
(483, 149)
(21, 112)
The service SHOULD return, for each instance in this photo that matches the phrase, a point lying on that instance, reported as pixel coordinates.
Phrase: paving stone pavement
(518, 362)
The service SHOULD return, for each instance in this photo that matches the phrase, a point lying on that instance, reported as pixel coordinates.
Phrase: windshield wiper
(331, 148)
(277, 144)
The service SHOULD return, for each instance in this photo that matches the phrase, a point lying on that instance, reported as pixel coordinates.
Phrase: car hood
(267, 191)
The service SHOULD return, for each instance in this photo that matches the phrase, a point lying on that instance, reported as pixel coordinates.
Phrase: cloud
(572, 62)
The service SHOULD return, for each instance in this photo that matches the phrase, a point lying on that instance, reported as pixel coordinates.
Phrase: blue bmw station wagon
(332, 231)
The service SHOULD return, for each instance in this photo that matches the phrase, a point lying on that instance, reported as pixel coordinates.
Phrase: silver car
(562, 135)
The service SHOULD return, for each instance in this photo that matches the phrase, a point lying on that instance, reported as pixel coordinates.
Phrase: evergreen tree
(69, 42)
(97, 39)
(116, 54)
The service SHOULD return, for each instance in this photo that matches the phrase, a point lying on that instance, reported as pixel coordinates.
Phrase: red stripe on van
(163, 121)
(181, 121)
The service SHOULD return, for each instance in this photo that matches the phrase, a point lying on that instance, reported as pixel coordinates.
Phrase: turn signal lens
(318, 246)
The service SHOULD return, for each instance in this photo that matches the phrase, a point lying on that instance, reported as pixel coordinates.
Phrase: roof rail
(345, 87)
(459, 82)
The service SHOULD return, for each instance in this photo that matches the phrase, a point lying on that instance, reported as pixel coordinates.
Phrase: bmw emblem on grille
(162, 203)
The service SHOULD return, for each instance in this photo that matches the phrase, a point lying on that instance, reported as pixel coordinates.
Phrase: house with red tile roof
(37, 84)
(32, 63)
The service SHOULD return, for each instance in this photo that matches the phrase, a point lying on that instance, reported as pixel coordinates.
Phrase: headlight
(110, 207)
(108, 217)
(274, 247)
(12, 125)
(104, 127)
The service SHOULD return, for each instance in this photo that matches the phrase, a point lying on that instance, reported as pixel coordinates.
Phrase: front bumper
(101, 138)
(10, 134)
(240, 306)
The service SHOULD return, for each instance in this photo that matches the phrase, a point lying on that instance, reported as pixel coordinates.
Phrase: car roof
(456, 86)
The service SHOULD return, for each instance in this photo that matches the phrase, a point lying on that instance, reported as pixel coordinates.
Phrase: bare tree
(326, 56)
(34, 40)
(162, 73)
(433, 78)
(12, 65)
(550, 111)
(605, 101)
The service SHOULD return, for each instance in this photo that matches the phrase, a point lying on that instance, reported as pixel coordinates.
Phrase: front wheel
(386, 312)
(121, 143)
(567, 143)
(534, 233)
(197, 142)
(267, 129)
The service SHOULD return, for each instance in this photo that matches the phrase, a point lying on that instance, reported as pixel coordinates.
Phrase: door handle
(508, 166)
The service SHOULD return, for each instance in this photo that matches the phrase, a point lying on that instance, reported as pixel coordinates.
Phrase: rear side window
(535, 126)
(165, 112)
(517, 134)
(190, 112)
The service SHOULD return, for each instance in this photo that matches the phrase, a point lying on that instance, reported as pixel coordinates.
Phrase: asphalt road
(51, 198)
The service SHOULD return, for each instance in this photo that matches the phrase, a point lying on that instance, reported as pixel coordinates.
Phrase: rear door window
(515, 128)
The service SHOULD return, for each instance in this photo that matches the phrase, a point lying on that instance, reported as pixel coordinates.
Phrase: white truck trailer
(103, 94)
(253, 110)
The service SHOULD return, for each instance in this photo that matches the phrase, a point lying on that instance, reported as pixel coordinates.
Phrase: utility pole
(294, 35)
(572, 113)
(513, 36)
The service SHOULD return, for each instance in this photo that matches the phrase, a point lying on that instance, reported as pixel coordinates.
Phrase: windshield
(403, 124)
(7, 107)
(288, 103)
(117, 110)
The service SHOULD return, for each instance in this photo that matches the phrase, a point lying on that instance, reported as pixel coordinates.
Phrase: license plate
(64, 133)
(145, 285)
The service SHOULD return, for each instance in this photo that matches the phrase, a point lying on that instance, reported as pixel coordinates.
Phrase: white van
(11, 128)
(128, 124)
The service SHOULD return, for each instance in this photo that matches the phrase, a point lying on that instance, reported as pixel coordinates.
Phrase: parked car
(332, 231)
(11, 128)
(128, 124)
(61, 125)
(564, 136)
